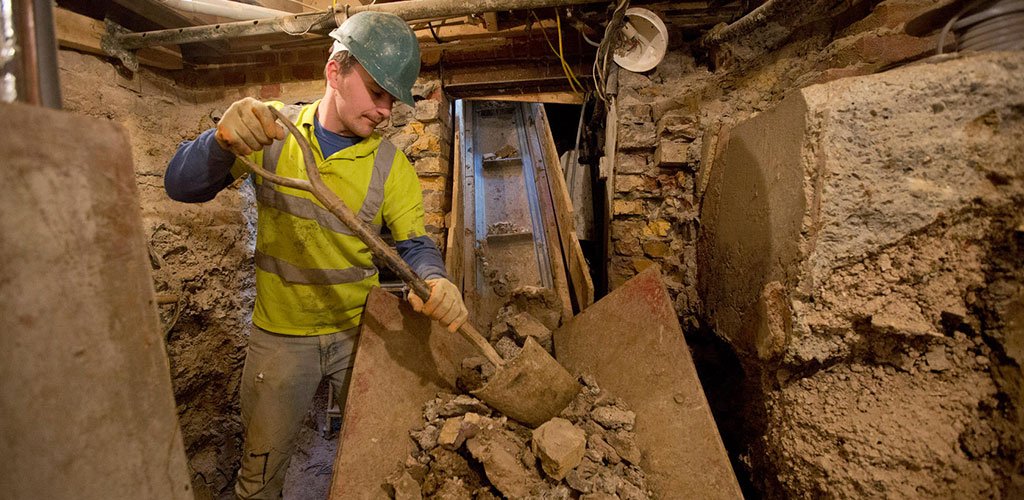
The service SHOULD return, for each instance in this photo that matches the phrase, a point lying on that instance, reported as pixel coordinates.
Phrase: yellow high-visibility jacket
(312, 273)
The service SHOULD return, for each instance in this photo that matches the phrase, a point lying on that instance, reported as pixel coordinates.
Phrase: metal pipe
(324, 21)
(38, 80)
(224, 8)
(8, 52)
(746, 24)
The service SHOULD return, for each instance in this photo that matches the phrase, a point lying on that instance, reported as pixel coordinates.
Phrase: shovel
(531, 388)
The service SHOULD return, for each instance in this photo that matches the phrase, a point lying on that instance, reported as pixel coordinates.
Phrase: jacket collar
(365, 147)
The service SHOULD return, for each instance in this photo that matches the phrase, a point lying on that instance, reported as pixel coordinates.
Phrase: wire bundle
(606, 49)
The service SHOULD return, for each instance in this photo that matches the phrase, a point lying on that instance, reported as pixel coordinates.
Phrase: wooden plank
(82, 33)
(471, 288)
(579, 270)
(545, 97)
(539, 139)
(490, 21)
(453, 256)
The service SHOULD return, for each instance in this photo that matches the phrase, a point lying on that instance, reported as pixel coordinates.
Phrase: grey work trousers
(279, 380)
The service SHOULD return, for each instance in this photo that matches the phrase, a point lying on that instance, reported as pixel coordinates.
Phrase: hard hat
(386, 47)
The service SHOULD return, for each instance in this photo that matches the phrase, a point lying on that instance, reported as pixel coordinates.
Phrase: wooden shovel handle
(377, 246)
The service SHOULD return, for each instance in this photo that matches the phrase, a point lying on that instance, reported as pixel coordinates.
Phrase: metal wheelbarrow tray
(630, 341)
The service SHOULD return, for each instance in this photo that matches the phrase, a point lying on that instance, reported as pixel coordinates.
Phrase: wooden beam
(454, 251)
(545, 97)
(82, 33)
(535, 76)
(576, 262)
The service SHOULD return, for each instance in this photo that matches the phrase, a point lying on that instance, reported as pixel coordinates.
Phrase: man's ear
(331, 71)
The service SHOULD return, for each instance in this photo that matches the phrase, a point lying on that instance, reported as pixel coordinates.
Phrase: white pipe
(224, 8)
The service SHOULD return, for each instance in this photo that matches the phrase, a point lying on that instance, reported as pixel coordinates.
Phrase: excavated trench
(898, 369)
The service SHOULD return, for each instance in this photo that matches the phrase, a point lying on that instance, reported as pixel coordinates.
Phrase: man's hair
(344, 59)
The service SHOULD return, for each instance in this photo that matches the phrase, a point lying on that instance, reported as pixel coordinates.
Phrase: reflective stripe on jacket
(312, 272)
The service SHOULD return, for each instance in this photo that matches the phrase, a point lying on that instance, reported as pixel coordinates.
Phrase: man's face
(360, 103)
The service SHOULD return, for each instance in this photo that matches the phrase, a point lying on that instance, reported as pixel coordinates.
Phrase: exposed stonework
(940, 265)
(846, 235)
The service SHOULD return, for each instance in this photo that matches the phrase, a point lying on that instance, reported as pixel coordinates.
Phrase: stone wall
(850, 406)
(846, 235)
(671, 118)
(201, 254)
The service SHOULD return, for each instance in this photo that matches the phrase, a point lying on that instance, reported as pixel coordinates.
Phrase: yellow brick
(657, 228)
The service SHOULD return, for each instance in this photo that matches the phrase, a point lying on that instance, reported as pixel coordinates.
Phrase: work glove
(247, 126)
(444, 304)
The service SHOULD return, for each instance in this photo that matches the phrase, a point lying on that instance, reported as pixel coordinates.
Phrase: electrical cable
(558, 52)
(561, 55)
(326, 15)
(606, 49)
(434, 33)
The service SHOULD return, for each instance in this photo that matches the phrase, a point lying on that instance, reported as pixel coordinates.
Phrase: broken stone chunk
(605, 452)
(625, 445)
(406, 488)
(488, 457)
(524, 325)
(426, 438)
(559, 445)
(611, 417)
(457, 430)
(582, 477)
(937, 360)
(449, 435)
(462, 404)
(498, 452)
(453, 488)
(507, 348)
(599, 496)
(542, 303)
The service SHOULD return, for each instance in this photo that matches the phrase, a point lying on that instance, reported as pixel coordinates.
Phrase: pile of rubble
(467, 450)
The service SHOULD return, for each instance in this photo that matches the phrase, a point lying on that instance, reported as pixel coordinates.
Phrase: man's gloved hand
(444, 305)
(247, 126)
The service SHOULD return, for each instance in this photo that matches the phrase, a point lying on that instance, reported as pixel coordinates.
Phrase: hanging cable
(434, 33)
(558, 52)
(565, 65)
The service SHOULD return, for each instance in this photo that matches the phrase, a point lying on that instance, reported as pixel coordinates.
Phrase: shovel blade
(532, 388)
